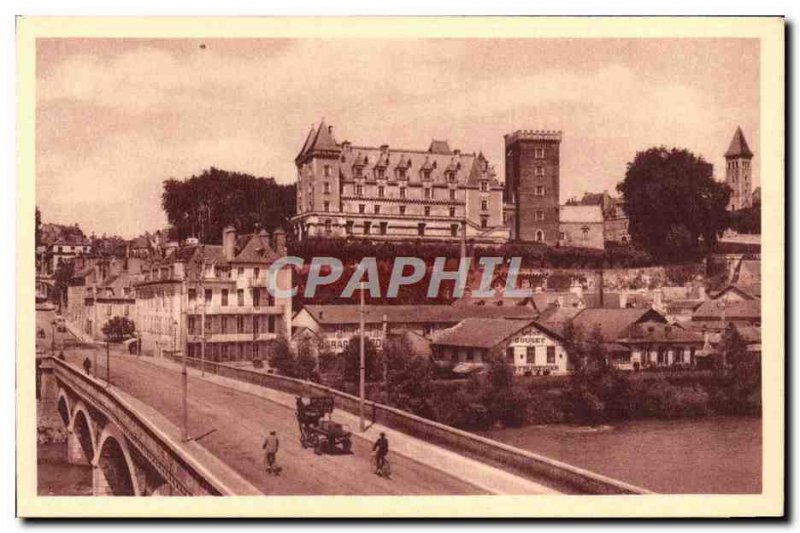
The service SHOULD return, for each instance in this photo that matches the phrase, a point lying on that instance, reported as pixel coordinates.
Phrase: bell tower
(738, 172)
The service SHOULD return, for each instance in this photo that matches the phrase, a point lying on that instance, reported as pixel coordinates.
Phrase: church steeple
(738, 172)
(738, 146)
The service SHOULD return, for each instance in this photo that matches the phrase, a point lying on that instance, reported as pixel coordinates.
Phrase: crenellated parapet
(533, 135)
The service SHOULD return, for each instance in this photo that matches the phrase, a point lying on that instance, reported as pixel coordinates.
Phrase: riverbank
(54, 475)
(712, 455)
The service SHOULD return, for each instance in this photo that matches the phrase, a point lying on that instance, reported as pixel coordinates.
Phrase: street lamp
(361, 366)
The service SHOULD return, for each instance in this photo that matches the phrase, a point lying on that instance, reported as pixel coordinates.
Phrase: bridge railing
(179, 469)
(537, 467)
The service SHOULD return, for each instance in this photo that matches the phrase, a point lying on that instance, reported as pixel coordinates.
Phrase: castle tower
(318, 187)
(738, 172)
(532, 184)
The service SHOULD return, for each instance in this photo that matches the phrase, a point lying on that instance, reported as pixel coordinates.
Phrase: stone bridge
(129, 454)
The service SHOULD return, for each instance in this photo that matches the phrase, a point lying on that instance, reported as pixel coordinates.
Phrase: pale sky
(117, 117)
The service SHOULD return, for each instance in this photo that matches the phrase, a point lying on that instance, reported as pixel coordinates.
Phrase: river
(56, 477)
(715, 455)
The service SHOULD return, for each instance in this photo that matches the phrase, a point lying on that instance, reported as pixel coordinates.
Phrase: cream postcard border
(770, 32)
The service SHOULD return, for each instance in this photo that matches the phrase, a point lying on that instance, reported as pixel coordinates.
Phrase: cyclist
(381, 449)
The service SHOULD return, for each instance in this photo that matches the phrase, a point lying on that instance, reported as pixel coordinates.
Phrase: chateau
(738, 172)
(383, 193)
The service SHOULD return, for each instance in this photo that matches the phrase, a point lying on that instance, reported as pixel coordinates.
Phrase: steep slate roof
(612, 322)
(349, 314)
(439, 158)
(748, 292)
(740, 310)
(738, 146)
(439, 147)
(483, 332)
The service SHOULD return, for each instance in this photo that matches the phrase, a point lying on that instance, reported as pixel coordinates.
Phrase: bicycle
(384, 470)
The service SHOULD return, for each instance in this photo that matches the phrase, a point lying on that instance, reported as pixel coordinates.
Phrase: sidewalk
(492, 480)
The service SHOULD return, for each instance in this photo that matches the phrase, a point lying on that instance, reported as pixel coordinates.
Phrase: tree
(281, 357)
(373, 368)
(201, 206)
(408, 378)
(118, 328)
(747, 220)
(62, 276)
(672, 200)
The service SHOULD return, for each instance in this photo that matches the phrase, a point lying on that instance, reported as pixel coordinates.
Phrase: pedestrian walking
(381, 450)
(87, 366)
(270, 447)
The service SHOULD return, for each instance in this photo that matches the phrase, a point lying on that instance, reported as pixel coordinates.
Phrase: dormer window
(426, 174)
(380, 173)
(451, 176)
(358, 171)
(401, 173)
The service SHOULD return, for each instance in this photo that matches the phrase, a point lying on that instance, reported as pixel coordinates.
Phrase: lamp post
(184, 375)
(361, 365)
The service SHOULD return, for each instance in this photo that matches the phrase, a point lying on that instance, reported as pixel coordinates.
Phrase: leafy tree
(203, 205)
(373, 367)
(747, 220)
(118, 328)
(671, 200)
(281, 357)
(408, 378)
(63, 274)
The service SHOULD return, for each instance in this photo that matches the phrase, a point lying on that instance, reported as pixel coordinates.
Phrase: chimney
(279, 241)
(228, 242)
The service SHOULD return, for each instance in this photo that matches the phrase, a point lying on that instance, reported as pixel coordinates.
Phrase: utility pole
(184, 375)
(385, 360)
(361, 367)
(203, 316)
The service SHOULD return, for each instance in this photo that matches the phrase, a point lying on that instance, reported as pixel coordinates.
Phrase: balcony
(213, 309)
(232, 337)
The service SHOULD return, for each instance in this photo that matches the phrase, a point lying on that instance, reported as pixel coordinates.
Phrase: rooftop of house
(612, 322)
(652, 331)
(485, 332)
(735, 310)
(251, 248)
(410, 314)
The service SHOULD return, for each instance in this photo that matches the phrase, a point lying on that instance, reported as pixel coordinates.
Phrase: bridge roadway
(231, 424)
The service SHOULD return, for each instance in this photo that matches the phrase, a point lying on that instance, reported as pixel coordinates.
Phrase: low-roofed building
(528, 346)
(581, 226)
(337, 324)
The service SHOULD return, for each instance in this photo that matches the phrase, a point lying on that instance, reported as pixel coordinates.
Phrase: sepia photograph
(332, 260)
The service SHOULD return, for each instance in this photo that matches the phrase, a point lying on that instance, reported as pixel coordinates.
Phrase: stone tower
(318, 187)
(533, 183)
(738, 172)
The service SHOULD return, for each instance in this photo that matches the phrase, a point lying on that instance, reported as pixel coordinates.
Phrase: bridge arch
(113, 465)
(64, 406)
(83, 433)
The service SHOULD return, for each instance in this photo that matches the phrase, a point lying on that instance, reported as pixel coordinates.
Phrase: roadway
(232, 424)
